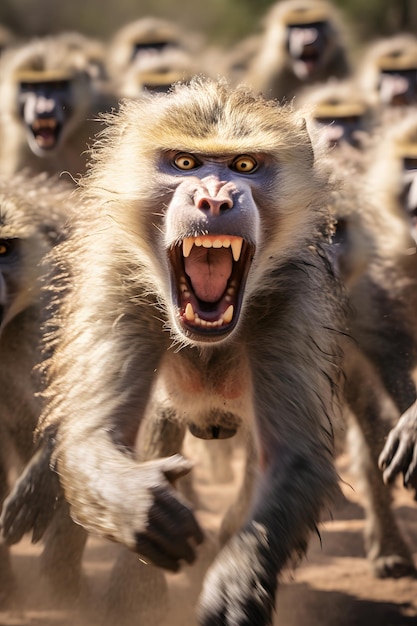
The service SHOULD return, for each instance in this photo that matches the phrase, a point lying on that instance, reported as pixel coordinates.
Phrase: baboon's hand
(400, 450)
(136, 504)
(239, 589)
(32, 503)
(171, 527)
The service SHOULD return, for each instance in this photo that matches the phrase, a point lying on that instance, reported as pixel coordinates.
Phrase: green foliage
(221, 21)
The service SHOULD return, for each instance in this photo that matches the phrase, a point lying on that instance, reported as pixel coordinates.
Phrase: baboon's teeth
(49, 123)
(189, 312)
(187, 245)
(236, 245)
(226, 318)
(217, 241)
(228, 314)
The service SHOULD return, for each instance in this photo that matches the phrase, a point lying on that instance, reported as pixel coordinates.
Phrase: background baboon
(32, 217)
(388, 71)
(398, 184)
(371, 244)
(340, 111)
(142, 39)
(155, 73)
(49, 102)
(303, 44)
(204, 279)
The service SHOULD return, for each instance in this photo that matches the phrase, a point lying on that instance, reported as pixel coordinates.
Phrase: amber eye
(244, 164)
(186, 162)
(4, 248)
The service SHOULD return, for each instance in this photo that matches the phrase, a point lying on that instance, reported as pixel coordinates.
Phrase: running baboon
(32, 217)
(198, 290)
(372, 245)
(48, 105)
(397, 176)
(388, 71)
(303, 44)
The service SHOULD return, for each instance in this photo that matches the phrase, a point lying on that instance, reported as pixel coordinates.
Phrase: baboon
(372, 246)
(143, 39)
(49, 102)
(155, 73)
(388, 72)
(341, 113)
(197, 292)
(398, 182)
(32, 218)
(303, 44)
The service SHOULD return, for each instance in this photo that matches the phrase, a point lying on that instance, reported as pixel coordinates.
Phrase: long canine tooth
(187, 245)
(228, 314)
(189, 312)
(236, 245)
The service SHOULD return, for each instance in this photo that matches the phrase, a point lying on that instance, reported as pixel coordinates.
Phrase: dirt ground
(332, 587)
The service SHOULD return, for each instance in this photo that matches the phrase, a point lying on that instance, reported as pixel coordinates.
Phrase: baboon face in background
(151, 47)
(307, 46)
(398, 87)
(338, 129)
(46, 106)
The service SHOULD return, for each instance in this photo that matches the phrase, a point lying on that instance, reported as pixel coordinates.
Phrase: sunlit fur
(113, 332)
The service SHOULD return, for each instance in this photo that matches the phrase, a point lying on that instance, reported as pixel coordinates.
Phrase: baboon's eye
(244, 164)
(4, 247)
(185, 162)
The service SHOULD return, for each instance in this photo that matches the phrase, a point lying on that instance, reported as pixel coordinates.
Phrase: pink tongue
(209, 269)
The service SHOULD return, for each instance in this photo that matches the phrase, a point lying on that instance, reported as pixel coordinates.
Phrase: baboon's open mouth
(310, 56)
(46, 132)
(209, 274)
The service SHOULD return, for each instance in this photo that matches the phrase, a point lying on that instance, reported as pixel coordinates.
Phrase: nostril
(204, 205)
(212, 204)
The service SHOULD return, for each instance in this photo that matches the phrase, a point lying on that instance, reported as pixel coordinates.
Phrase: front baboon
(198, 290)
(48, 104)
(32, 218)
(303, 44)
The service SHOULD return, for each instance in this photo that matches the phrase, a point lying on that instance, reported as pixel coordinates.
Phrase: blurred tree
(222, 21)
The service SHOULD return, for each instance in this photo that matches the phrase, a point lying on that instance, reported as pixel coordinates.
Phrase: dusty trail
(332, 586)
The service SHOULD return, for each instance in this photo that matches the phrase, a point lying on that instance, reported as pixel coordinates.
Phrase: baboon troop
(207, 253)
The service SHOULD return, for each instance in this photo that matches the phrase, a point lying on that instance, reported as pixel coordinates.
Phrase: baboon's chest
(221, 380)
